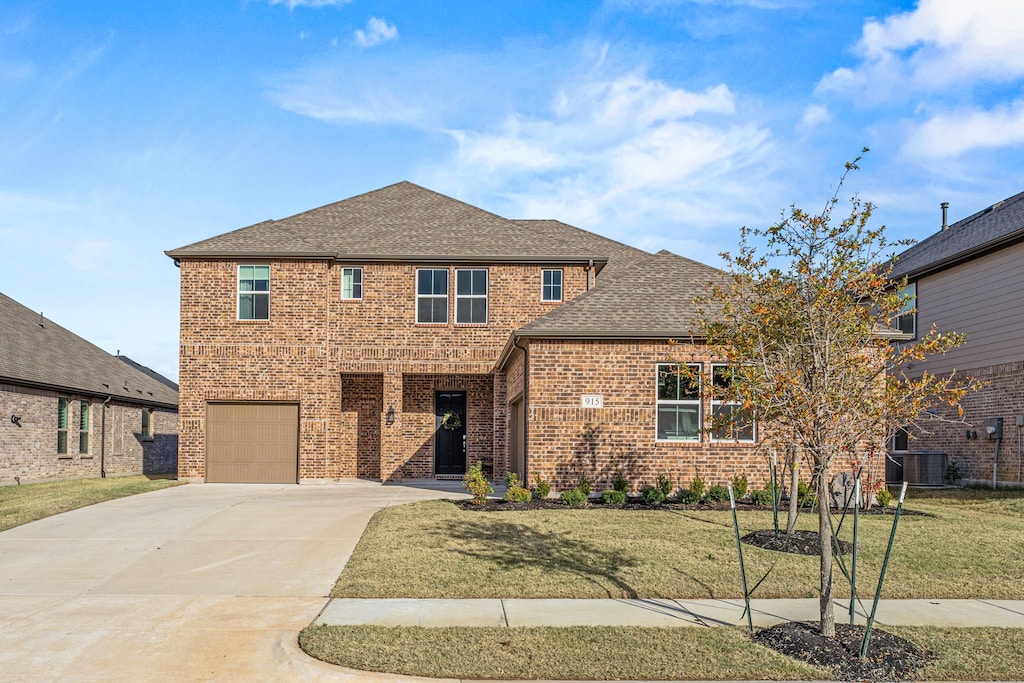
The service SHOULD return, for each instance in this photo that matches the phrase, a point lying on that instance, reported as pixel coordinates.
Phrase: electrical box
(1020, 420)
(994, 427)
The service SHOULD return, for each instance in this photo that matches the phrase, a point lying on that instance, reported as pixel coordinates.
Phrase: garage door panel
(252, 443)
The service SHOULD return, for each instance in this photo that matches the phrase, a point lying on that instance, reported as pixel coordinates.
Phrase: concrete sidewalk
(680, 613)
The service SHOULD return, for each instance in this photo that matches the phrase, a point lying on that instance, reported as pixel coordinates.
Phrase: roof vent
(945, 221)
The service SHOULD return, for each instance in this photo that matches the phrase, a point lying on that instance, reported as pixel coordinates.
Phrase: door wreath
(451, 421)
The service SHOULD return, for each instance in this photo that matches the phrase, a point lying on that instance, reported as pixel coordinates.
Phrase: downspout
(526, 407)
(995, 463)
(103, 439)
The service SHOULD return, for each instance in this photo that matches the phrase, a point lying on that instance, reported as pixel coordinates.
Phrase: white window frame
(353, 285)
(908, 310)
(545, 285)
(253, 292)
(461, 297)
(419, 296)
(717, 402)
(698, 403)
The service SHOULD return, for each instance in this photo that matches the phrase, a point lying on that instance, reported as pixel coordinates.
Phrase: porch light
(389, 419)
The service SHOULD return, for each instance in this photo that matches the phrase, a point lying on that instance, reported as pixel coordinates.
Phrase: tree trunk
(828, 618)
(794, 485)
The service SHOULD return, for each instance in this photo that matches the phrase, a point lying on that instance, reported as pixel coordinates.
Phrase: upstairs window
(471, 296)
(906, 321)
(432, 295)
(730, 422)
(254, 292)
(83, 429)
(351, 283)
(551, 285)
(62, 425)
(679, 404)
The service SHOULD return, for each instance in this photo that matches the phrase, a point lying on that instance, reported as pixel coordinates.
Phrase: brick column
(391, 435)
(500, 410)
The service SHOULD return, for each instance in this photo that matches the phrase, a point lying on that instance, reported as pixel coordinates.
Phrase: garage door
(252, 443)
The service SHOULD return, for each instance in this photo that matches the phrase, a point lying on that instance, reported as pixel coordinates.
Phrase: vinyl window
(432, 295)
(551, 285)
(147, 423)
(729, 421)
(254, 292)
(906, 321)
(471, 296)
(351, 283)
(62, 425)
(83, 428)
(679, 402)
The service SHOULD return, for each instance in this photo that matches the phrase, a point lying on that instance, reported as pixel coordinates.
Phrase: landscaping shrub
(952, 472)
(687, 497)
(883, 497)
(574, 498)
(717, 493)
(665, 484)
(652, 495)
(697, 486)
(584, 485)
(804, 495)
(762, 498)
(613, 497)
(619, 482)
(512, 480)
(739, 485)
(477, 484)
(542, 487)
(515, 492)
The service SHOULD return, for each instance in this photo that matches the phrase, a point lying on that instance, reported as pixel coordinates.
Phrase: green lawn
(968, 546)
(27, 503)
(634, 653)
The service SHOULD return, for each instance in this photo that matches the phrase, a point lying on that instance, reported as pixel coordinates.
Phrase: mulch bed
(637, 503)
(889, 658)
(800, 543)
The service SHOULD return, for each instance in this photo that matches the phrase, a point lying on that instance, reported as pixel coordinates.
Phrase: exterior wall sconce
(15, 420)
(389, 419)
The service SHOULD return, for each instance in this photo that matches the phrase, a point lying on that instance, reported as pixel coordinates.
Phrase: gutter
(103, 439)
(960, 257)
(127, 398)
(592, 262)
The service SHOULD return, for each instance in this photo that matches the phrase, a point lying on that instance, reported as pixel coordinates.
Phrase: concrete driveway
(206, 582)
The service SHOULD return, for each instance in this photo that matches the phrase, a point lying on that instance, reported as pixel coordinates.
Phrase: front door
(450, 432)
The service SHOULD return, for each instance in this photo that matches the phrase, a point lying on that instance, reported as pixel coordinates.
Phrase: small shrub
(739, 486)
(687, 497)
(762, 498)
(698, 486)
(652, 495)
(952, 472)
(619, 482)
(584, 485)
(573, 498)
(518, 494)
(613, 497)
(804, 495)
(477, 484)
(542, 487)
(717, 493)
(665, 484)
(512, 480)
(883, 497)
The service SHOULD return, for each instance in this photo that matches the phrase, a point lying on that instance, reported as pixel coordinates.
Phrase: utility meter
(994, 427)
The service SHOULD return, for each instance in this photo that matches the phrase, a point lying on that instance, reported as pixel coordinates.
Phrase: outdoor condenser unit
(925, 468)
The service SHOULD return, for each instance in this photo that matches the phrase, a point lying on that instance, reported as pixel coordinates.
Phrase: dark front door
(450, 432)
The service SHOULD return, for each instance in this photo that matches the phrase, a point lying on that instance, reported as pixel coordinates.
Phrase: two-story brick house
(404, 333)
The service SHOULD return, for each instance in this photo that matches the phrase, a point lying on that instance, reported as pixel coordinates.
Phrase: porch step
(448, 477)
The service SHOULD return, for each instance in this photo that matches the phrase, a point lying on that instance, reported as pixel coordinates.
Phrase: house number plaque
(592, 401)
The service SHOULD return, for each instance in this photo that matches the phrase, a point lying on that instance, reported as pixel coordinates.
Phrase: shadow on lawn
(514, 546)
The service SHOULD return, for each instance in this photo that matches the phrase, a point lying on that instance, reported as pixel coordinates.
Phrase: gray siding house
(969, 278)
(68, 409)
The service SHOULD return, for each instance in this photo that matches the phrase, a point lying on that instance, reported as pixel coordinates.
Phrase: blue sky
(130, 128)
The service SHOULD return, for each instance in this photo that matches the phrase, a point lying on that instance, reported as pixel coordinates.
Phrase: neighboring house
(969, 278)
(402, 333)
(69, 409)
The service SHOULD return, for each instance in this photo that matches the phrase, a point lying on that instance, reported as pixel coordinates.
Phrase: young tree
(806, 323)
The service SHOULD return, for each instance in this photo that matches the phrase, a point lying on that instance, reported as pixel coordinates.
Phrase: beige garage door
(252, 443)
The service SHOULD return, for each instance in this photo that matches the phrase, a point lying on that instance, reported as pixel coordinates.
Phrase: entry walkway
(682, 613)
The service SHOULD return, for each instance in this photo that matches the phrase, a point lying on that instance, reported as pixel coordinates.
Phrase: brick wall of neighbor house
(30, 451)
(566, 440)
(314, 338)
(1002, 396)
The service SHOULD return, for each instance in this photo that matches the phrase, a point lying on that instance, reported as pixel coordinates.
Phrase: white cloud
(815, 115)
(941, 43)
(951, 134)
(315, 4)
(377, 31)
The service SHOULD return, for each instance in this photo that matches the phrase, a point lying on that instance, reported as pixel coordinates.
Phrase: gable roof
(400, 222)
(1000, 225)
(653, 298)
(38, 352)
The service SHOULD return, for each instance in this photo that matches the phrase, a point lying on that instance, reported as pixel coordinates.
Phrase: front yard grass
(968, 545)
(29, 502)
(584, 653)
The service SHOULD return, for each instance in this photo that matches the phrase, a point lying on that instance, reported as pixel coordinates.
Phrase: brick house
(402, 333)
(69, 409)
(967, 277)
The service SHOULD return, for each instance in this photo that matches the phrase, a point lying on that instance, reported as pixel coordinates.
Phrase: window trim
(359, 284)
(485, 296)
(147, 424)
(84, 426)
(239, 292)
(445, 296)
(909, 309)
(718, 403)
(544, 285)
(62, 424)
(698, 370)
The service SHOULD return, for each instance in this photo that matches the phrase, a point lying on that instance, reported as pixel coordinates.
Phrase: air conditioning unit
(924, 468)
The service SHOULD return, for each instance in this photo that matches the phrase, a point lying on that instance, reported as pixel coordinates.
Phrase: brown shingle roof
(401, 222)
(38, 352)
(653, 298)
